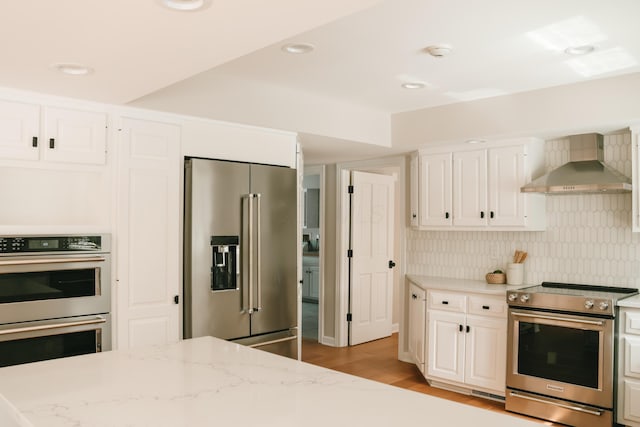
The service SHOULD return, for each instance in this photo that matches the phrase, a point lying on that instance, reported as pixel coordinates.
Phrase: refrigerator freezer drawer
(283, 343)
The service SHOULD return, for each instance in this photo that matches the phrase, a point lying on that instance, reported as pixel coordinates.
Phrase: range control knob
(603, 305)
(588, 304)
(524, 298)
(513, 297)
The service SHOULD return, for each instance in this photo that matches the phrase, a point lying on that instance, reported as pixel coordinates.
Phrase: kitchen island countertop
(461, 285)
(206, 381)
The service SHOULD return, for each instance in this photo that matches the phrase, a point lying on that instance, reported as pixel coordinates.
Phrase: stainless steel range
(561, 360)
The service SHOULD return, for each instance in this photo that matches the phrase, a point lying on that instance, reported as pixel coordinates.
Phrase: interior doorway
(312, 252)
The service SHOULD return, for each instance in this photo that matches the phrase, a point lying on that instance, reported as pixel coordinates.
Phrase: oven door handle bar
(38, 261)
(96, 320)
(561, 319)
(595, 412)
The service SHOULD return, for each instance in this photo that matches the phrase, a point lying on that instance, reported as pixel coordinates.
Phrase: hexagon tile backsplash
(588, 237)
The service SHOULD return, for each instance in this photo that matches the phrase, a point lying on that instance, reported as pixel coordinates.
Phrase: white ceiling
(364, 50)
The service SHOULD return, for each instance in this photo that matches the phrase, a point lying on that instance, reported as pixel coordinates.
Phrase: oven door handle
(95, 320)
(38, 261)
(562, 319)
(576, 408)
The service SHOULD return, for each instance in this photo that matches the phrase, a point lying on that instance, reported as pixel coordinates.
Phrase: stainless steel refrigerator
(240, 254)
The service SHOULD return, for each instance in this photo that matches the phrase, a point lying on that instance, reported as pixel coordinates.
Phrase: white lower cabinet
(148, 244)
(629, 368)
(467, 341)
(311, 282)
(417, 325)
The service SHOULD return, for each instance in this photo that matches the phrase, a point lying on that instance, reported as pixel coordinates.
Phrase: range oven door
(563, 356)
(27, 342)
(53, 286)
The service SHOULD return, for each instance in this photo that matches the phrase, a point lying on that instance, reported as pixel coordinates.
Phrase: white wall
(588, 237)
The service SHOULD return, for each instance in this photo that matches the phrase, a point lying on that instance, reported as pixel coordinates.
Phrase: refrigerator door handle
(259, 253)
(249, 198)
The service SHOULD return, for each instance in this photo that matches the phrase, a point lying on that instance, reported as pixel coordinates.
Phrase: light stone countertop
(462, 285)
(210, 382)
(631, 302)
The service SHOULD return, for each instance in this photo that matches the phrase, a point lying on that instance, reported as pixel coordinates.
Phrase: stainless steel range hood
(585, 172)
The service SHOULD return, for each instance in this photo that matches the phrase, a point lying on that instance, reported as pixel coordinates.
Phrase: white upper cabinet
(413, 188)
(74, 136)
(63, 135)
(434, 187)
(19, 130)
(470, 188)
(484, 185)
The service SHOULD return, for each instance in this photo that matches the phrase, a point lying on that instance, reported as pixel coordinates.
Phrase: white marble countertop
(206, 382)
(632, 302)
(461, 285)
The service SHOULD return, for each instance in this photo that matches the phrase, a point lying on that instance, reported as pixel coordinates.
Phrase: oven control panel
(595, 306)
(37, 244)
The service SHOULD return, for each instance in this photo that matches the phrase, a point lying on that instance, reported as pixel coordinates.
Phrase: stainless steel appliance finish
(240, 269)
(55, 296)
(585, 172)
(561, 361)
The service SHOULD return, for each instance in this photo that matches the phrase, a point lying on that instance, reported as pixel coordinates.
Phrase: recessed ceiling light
(438, 50)
(298, 48)
(413, 85)
(73, 69)
(476, 141)
(185, 5)
(579, 50)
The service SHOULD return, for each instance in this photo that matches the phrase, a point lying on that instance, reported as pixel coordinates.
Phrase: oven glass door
(43, 340)
(45, 285)
(559, 355)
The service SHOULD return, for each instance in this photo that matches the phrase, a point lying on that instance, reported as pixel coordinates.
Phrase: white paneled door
(148, 234)
(372, 207)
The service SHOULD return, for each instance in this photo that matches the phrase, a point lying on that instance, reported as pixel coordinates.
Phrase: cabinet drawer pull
(52, 143)
(414, 216)
(486, 307)
(414, 296)
(445, 302)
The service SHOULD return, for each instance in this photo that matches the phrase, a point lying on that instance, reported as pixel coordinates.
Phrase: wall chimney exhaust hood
(585, 173)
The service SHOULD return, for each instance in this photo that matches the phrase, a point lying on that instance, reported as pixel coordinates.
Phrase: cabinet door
(417, 325)
(19, 130)
(470, 188)
(486, 353)
(445, 359)
(506, 176)
(631, 404)
(631, 347)
(149, 230)
(413, 195)
(435, 190)
(74, 136)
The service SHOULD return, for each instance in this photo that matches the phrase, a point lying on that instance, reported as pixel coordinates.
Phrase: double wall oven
(561, 359)
(55, 297)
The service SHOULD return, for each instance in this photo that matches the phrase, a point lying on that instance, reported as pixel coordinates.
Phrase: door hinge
(176, 299)
(350, 189)
(350, 253)
(349, 317)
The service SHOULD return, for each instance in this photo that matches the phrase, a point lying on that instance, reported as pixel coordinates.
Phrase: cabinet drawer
(446, 301)
(632, 322)
(487, 306)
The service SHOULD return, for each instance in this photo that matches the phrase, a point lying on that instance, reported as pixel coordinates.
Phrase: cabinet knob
(34, 142)
(446, 215)
(52, 143)
(482, 214)
(491, 214)
(460, 328)
(414, 296)
(414, 216)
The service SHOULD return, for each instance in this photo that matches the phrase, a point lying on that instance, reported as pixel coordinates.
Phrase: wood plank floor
(378, 361)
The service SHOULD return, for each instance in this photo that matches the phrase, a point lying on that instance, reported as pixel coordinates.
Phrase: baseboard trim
(330, 341)
(395, 327)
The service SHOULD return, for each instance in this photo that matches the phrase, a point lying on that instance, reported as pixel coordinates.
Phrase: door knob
(392, 264)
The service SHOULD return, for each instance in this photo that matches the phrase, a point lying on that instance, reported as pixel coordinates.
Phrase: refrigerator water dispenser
(225, 268)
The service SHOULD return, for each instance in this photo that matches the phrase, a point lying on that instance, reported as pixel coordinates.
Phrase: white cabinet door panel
(149, 225)
(506, 176)
(74, 136)
(446, 346)
(470, 188)
(435, 194)
(486, 348)
(19, 125)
